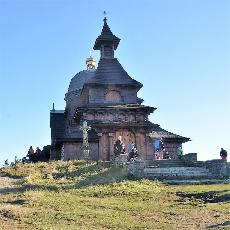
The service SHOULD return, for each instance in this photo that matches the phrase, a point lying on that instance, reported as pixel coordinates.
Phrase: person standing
(223, 154)
(37, 154)
(31, 154)
(179, 152)
(38, 151)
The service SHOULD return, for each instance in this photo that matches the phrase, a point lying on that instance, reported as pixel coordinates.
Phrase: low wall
(219, 168)
(121, 159)
(190, 157)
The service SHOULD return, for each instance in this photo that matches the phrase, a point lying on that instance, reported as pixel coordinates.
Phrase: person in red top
(31, 151)
(223, 154)
(31, 154)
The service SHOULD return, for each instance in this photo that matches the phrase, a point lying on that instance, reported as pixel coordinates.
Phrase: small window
(113, 96)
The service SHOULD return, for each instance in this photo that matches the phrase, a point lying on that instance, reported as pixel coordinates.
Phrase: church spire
(106, 42)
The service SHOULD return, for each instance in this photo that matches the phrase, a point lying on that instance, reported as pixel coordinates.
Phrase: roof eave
(100, 40)
(179, 139)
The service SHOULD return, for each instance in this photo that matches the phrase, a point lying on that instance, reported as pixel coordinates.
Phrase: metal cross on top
(105, 19)
(85, 128)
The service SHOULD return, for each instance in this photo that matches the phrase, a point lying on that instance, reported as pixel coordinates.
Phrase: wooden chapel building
(106, 97)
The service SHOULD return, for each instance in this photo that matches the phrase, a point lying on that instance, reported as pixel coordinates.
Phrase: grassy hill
(80, 195)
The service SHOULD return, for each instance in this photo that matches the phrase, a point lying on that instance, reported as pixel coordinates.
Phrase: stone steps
(197, 181)
(166, 163)
(176, 169)
(177, 173)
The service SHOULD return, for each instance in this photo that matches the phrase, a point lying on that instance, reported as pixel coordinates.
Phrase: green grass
(76, 195)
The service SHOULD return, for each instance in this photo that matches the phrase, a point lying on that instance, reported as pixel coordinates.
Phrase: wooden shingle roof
(79, 79)
(106, 36)
(110, 71)
(160, 133)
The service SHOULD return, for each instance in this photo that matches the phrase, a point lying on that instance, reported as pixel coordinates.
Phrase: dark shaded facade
(106, 97)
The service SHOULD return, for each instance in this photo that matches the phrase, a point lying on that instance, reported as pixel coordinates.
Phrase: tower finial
(105, 19)
(107, 42)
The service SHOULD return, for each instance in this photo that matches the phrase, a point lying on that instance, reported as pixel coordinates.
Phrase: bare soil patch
(7, 182)
(208, 197)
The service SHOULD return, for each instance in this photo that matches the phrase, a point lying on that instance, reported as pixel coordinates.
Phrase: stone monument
(85, 145)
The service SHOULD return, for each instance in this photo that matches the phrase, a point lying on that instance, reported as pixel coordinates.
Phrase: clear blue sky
(179, 50)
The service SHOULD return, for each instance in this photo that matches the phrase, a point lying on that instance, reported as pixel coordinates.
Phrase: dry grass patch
(99, 196)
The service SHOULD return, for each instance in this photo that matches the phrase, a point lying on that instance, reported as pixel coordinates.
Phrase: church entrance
(127, 137)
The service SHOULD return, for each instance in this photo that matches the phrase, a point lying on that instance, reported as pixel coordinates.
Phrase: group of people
(119, 148)
(34, 156)
(133, 153)
(160, 152)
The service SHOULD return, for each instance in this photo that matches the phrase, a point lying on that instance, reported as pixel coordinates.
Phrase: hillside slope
(77, 195)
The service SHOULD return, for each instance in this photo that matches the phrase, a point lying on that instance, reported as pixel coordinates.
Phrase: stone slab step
(199, 181)
(165, 163)
(179, 177)
(178, 173)
(167, 166)
(176, 169)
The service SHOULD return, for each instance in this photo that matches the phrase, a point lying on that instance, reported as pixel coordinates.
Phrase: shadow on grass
(90, 175)
(27, 187)
(85, 168)
(111, 175)
(225, 224)
(207, 197)
(17, 202)
(6, 174)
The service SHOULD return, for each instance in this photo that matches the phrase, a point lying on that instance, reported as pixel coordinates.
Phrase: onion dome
(90, 63)
(80, 78)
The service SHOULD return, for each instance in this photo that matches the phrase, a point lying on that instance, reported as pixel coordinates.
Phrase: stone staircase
(165, 163)
(176, 172)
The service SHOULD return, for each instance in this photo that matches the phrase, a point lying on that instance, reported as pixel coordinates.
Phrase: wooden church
(106, 97)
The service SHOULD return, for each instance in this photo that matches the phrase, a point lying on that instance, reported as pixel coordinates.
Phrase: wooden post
(111, 147)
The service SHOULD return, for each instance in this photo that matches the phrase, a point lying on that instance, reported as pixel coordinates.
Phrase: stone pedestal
(136, 168)
(121, 159)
